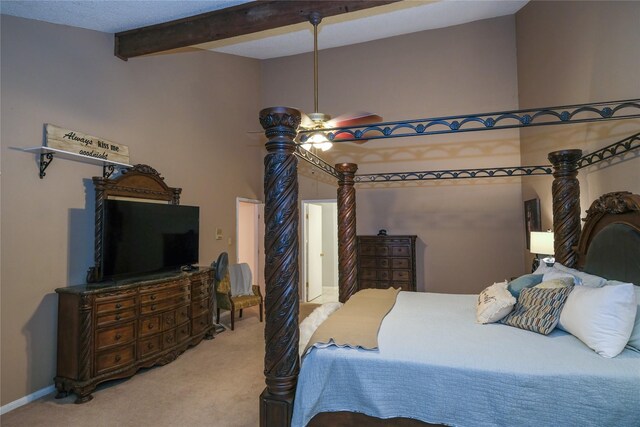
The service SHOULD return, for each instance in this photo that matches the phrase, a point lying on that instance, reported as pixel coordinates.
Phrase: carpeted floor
(217, 383)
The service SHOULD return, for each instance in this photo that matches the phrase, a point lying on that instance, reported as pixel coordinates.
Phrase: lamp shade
(542, 242)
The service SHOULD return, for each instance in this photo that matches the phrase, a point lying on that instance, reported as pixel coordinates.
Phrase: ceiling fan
(320, 121)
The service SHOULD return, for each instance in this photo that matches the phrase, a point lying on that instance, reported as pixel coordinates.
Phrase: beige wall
(579, 52)
(186, 115)
(464, 69)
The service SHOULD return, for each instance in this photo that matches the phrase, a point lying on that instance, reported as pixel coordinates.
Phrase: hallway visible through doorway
(319, 251)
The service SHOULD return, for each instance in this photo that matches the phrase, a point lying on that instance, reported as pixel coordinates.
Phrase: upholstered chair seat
(227, 301)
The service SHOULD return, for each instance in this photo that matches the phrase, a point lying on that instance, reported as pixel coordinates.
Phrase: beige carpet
(217, 383)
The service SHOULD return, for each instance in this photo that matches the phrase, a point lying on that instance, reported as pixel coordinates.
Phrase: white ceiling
(371, 24)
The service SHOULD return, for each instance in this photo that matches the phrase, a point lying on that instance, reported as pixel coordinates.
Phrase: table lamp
(542, 244)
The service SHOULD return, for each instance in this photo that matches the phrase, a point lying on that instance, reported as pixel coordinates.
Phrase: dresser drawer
(168, 320)
(368, 274)
(118, 316)
(367, 250)
(383, 275)
(183, 332)
(368, 284)
(199, 307)
(200, 292)
(168, 339)
(182, 314)
(400, 263)
(382, 251)
(400, 251)
(164, 293)
(115, 336)
(199, 324)
(114, 304)
(167, 304)
(401, 275)
(150, 325)
(149, 346)
(367, 262)
(115, 358)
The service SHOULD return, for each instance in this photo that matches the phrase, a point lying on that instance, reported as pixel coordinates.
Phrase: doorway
(319, 251)
(250, 241)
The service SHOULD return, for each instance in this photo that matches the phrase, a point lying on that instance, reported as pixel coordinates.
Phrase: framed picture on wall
(531, 219)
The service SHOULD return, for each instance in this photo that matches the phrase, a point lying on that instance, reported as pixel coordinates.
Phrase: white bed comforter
(437, 365)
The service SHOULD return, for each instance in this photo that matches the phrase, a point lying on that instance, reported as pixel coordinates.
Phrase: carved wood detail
(281, 362)
(566, 205)
(140, 181)
(347, 251)
(623, 204)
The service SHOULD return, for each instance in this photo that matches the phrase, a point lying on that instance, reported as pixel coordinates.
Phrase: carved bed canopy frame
(281, 124)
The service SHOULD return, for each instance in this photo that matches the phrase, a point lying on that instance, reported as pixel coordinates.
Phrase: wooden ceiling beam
(235, 21)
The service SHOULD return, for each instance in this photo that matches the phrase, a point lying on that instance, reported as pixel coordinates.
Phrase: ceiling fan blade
(306, 122)
(360, 118)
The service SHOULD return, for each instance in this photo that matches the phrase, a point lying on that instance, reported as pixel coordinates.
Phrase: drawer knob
(153, 307)
(118, 317)
(118, 358)
(153, 297)
(150, 326)
(118, 336)
(184, 331)
(149, 346)
(118, 305)
(169, 338)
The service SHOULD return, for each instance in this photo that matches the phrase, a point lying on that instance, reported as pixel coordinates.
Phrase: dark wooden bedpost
(347, 251)
(566, 205)
(281, 361)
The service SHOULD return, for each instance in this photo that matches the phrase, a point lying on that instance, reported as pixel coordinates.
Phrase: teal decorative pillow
(538, 309)
(522, 282)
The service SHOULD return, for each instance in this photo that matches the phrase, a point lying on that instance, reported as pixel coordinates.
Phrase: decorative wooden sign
(86, 145)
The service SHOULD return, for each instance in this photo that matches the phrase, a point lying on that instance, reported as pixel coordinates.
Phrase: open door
(250, 240)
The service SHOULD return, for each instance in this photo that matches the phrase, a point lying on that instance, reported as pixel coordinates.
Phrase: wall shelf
(47, 154)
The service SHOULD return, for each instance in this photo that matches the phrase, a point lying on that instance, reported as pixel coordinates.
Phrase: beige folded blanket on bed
(357, 323)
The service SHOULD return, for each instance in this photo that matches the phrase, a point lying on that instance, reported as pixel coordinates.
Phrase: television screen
(141, 238)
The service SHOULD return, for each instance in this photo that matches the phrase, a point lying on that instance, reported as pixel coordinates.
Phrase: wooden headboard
(609, 244)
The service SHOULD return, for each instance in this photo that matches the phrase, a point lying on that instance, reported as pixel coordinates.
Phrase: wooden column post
(347, 251)
(566, 205)
(281, 361)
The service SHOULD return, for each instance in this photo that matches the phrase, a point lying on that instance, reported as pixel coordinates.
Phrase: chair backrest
(221, 266)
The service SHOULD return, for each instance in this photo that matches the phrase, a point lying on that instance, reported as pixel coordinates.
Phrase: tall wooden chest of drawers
(387, 261)
(110, 331)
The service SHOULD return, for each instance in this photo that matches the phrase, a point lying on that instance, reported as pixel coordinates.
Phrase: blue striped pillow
(538, 309)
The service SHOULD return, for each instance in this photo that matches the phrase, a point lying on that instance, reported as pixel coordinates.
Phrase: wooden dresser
(110, 331)
(387, 261)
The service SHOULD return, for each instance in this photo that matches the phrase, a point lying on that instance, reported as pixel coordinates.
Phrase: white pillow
(310, 323)
(585, 279)
(560, 282)
(570, 279)
(602, 318)
(543, 268)
(494, 303)
(634, 341)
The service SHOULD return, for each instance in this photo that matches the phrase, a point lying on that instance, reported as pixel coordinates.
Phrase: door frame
(259, 243)
(303, 246)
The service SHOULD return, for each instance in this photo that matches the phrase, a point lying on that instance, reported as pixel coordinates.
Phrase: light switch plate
(218, 233)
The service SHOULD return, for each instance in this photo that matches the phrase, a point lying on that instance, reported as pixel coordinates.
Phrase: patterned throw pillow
(494, 303)
(538, 309)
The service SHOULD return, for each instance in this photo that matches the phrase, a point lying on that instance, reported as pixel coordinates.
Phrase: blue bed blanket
(436, 364)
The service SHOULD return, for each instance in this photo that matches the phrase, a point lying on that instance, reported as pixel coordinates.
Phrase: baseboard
(27, 399)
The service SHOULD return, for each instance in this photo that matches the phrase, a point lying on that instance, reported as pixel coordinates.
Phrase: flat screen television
(143, 238)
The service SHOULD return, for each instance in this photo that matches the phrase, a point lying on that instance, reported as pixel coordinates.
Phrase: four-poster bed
(282, 364)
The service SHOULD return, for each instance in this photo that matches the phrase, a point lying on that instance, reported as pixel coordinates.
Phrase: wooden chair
(224, 297)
